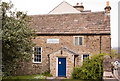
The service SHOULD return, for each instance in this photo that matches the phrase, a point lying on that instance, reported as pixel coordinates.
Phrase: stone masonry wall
(91, 45)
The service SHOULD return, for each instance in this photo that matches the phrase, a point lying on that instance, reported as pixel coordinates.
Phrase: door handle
(59, 62)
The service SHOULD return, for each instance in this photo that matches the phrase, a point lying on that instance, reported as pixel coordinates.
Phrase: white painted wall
(64, 8)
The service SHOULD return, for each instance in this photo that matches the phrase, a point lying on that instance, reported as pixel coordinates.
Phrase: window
(85, 56)
(37, 55)
(78, 40)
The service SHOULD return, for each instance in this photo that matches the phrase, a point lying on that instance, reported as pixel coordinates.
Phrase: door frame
(57, 65)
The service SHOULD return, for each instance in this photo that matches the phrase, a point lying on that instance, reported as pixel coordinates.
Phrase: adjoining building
(67, 35)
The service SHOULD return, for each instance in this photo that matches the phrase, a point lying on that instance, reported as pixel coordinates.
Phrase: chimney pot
(80, 8)
(77, 4)
(81, 4)
(107, 3)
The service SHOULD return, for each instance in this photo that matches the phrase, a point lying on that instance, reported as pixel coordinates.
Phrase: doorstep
(56, 78)
(50, 77)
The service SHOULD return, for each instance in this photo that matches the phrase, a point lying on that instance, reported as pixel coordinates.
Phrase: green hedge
(92, 68)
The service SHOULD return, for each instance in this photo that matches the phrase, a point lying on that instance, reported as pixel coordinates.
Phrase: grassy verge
(47, 74)
(38, 76)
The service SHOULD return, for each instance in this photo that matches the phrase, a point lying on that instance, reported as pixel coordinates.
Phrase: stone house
(66, 36)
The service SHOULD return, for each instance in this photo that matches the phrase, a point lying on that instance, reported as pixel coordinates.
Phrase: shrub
(91, 69)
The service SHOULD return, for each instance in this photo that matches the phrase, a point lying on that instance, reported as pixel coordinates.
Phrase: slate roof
(82, 23)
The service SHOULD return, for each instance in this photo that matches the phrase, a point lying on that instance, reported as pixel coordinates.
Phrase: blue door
(62, 67)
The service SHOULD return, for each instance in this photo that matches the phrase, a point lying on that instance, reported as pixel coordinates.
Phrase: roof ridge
(68, 13)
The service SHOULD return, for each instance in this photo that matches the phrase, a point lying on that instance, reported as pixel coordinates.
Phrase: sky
(38, 7)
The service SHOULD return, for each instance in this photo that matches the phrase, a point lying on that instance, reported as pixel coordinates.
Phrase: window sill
(79, 45)
(37, 62)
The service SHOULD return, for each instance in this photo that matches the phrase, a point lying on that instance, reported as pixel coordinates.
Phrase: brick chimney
(79, 7)
(107, 8)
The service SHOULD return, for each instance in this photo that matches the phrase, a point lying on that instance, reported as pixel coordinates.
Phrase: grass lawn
(38, 76)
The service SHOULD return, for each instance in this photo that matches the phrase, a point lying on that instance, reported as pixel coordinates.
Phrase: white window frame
(33, 55)
(82, 56)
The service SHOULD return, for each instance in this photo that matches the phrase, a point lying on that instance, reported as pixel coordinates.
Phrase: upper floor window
(37, 55)
(78, 40)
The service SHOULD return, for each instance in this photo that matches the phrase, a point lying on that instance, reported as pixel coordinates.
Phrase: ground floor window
(85, 56)
(37, 55)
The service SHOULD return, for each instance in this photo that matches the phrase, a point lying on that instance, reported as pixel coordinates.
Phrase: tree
(16, 38)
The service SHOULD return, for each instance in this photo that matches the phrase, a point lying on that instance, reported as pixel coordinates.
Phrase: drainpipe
(49, 62)
(100, 44)
(74, 61)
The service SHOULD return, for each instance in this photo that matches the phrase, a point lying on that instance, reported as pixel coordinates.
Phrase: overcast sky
(33, 7)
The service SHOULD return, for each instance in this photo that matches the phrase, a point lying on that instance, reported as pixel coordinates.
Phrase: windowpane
(37, 54)
(76, 40)
(35, 59)
(39, 60)
(40, 49)
(80, 40)
(35, 49)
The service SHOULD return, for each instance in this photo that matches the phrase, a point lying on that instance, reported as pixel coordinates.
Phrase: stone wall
(91, 45)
